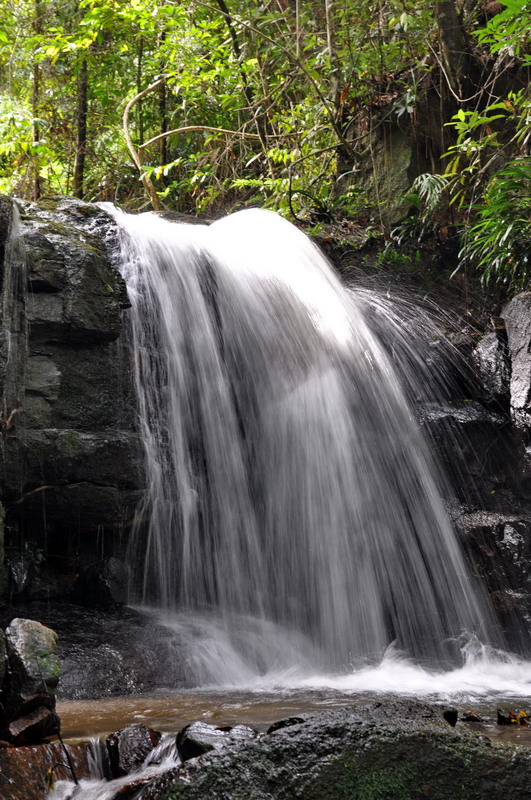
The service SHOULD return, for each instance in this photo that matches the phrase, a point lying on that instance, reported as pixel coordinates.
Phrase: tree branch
(136, 155)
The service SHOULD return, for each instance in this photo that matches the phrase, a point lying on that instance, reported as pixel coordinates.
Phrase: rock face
(71, 464)
(401, 750)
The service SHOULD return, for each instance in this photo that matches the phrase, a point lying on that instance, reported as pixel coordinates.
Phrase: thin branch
(136, 154)
(188, 128)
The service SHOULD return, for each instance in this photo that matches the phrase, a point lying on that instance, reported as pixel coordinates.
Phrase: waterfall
(289, 487)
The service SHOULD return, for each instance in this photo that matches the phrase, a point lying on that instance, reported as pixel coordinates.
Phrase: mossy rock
(398, 751)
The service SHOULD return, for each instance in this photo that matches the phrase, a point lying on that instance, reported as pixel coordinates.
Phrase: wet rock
(72, 460)
(32, 674)
(284, 723)
(463, 438)
(19, 570)
(26, 773)
(76, 294)
(451, 716)
(2, 657)
(517, 316)
(471, 716)
(498, 547)
(200, 737)
(490, 357)
(129, 747)
(108, 653)
(102, 584)
(399, 750)
(34, 726)
(33, 666)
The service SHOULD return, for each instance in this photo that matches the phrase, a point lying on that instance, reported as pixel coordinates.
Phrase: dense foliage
(268, 100)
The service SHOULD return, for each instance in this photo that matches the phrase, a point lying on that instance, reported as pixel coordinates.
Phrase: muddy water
(170, 712)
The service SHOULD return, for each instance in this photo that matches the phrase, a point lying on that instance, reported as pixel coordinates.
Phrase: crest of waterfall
(288, 480)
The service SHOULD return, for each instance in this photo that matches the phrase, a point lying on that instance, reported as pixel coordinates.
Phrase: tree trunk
(81, 121)
(455, 47)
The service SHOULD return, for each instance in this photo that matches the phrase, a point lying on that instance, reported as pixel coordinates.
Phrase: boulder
(199, 738)
(128, 748)
(33, 672)
(517, 316)
(378, 752)
(33, 665)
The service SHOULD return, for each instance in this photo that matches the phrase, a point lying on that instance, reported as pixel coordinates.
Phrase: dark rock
(477, 446)
(400, 750)
(129, 748)
(31, 678)
(72, 456)
(200, 737)
(62, 456)
(26, 772)
(490, 356)
(19, 569)
(76, 293)
(471, 716)
(517, 316)
(102, 584)
(105, 654)
(284, 723)
(498, 546)
(451, 716)
(34, 726)
(2, 657)
(6, 215)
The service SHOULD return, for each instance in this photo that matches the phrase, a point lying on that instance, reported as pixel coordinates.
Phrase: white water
(162, 758)
(245, 654)
(297, 546)
(289, 483)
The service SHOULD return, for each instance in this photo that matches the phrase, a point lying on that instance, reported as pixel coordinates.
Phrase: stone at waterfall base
(397, 751)
(199, 738)
(27, 693)
(129, 747)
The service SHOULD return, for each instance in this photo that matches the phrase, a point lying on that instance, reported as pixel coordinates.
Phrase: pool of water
(169, 712)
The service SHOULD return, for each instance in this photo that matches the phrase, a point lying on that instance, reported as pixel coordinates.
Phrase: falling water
(292, 501)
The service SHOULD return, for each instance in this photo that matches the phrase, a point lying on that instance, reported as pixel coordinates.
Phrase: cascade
(293, 504)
